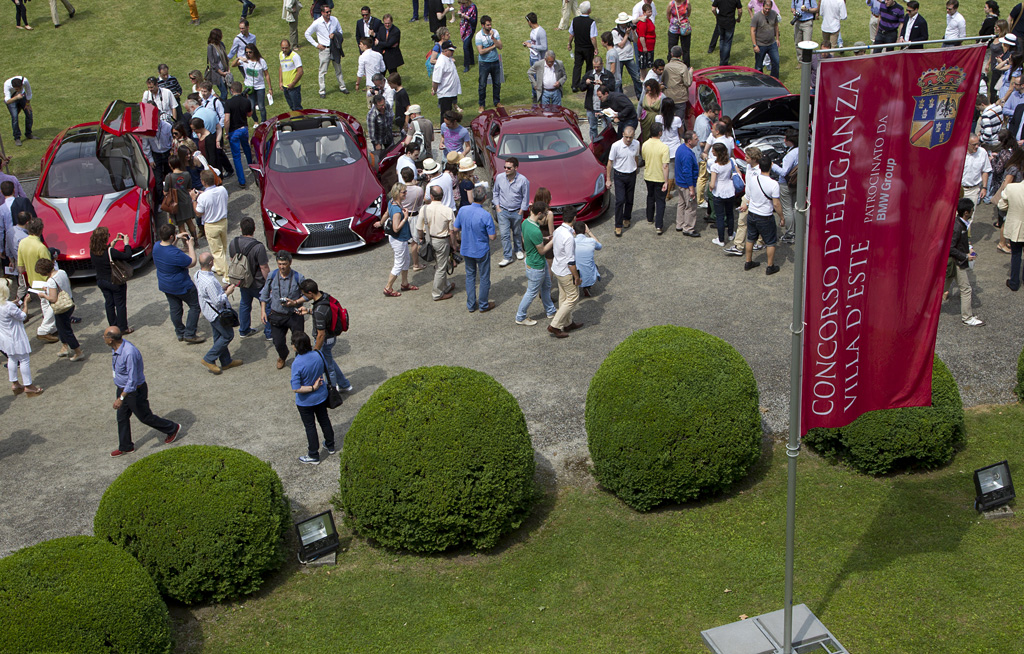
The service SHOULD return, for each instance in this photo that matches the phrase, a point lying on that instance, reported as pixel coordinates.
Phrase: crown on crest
(941, 80)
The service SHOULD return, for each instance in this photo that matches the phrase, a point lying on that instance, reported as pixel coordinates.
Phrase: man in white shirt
(623, 160)
(624, 49)
(563, 267)
(18, 97)
(212, 206)
(437, 176)
(977, 167)
(832, 13)
(956, 26)
(242, 39)
(408, 160)
(638, 10)
(319, 34)
(761, 203)
(163, 99)
(370, 63)
(445, 83)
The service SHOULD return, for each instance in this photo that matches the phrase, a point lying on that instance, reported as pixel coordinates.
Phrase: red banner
(890, 139)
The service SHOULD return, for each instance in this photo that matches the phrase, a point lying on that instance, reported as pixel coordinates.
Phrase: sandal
(410, 287)
(391, 293)
(17, 388)
(1003, 250)
(418, 268)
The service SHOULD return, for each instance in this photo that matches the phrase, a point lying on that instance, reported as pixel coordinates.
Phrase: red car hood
(319, 196)
(68, 223)
(570, 179)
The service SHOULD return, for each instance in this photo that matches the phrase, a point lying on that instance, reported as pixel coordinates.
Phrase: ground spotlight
(317, 537)
(993, 486)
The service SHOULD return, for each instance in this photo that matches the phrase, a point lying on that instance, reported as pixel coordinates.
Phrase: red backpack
(338, 321)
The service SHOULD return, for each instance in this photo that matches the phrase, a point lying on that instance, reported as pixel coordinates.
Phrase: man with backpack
(329, 321)
(248, 269)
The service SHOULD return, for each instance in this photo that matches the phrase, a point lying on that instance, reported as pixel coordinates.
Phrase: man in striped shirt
(212, 299)
(890, 17)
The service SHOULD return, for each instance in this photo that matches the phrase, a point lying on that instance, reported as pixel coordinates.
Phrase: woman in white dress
(14, 343)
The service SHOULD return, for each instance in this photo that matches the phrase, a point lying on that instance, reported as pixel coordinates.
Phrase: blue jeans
(258, 101)
(416, 10)
(510, 225)
(724, 46)
(15, 108)
(337, 376)
(634, 73)
(247, 6)
(533, 91)
(477, 267)
(536, 281)
(239, 140)
(598, 123)
(551, 97)
(724, 217)
(176, 302)
(221, 337)
(489, 69)
(773, 56)
(1016, 248)
(245, 310)
(467, 52)
(294, 98)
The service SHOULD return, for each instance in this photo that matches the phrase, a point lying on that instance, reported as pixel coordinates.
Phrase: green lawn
(109, 48)
(897, 564)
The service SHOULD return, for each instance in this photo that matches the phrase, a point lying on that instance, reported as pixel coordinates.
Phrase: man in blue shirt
(475, 229)
(687, 170)
(511, 198)
(804, 12)
(132, 394)
(173, 281)
(1015, 97)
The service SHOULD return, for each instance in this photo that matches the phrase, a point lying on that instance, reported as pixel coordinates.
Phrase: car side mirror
(490, 148)
(256, 168)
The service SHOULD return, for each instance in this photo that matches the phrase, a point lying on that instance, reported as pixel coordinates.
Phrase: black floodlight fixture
(317, 537)
(993, 486)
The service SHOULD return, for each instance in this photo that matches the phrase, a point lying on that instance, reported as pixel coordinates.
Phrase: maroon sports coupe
(94, 175)
(318, 191)
(547, 141)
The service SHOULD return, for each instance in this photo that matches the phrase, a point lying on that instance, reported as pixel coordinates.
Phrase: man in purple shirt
(474, 227)
(132, 394)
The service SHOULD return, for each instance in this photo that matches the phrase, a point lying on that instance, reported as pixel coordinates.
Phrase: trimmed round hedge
(1019, 388)
(881, 441)
(79, 594)
(437, 458)
(207, 522)
(672, 415)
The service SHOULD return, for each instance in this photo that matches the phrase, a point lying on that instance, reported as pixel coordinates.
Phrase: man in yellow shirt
(30, 250)
(656, 158)
(290, 75)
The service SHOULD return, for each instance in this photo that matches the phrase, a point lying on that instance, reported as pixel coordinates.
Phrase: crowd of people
(437, 213)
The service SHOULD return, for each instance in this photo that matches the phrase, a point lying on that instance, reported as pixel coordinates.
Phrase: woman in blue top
(399, 217)
(310, 386)
(586, 244)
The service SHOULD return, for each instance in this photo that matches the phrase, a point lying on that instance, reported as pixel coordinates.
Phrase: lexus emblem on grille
(329, 226)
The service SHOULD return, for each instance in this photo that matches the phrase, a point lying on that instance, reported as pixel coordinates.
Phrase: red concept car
(93, 175)
(547, 141)
(761, 107)
(318, 191)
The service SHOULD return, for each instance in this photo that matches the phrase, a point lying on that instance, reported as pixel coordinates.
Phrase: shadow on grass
(906, 525)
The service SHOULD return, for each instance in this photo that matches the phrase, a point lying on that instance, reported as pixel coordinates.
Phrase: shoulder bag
(64, 302)
(737, 180)
(120, 271)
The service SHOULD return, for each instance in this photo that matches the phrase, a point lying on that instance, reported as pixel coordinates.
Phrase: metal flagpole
(793, 447)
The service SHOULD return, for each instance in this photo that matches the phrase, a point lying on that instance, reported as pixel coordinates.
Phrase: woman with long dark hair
(257, 80)
(115, 296)
(723, 193)
(217, 61)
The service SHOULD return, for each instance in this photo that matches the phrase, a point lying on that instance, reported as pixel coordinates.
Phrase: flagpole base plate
(764, 635)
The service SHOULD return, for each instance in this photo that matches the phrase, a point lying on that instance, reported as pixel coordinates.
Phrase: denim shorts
(763, 226)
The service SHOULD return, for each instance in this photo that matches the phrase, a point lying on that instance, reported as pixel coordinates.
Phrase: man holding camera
(172, 278)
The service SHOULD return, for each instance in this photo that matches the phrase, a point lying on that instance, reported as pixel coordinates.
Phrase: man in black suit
(915, 27)
(389, 44)
(367, 26)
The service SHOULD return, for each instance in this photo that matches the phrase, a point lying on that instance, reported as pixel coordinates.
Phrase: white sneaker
(529, 322)
(520, 255)
(504, 262)
(974, 321)
(758, 246)
(702, 205)
(734, 251)
(716, 241)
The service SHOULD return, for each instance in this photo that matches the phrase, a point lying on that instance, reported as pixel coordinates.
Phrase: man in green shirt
(538, 278)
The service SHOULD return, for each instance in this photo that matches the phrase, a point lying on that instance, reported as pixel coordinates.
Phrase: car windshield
(314, 149)
(540, 145)
(78, 171)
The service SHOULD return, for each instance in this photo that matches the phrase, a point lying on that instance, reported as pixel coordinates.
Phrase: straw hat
(431, 167)
(623, 18)
(467, 164)
(453, 157)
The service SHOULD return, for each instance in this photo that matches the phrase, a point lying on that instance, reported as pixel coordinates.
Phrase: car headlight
(599, 185)
(277, 221)
(374, 208)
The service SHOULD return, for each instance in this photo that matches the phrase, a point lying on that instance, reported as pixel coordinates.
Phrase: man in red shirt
(645, 37)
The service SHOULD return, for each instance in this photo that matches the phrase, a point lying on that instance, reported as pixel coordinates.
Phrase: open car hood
(122, 118)
(785, 109)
